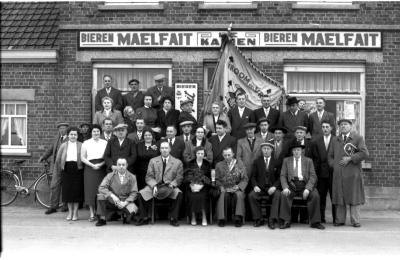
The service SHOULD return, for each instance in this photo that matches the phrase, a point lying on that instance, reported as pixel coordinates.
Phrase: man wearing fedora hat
(135, 97)
(186, 113)
(266, 110)
(163, 177)
(160, 90)
(281, 146)
(293, 117)
(51, 152)
(120, 147)
(264, 134)
(108, 91)
(265, 181)
(298, 178)
(345, 155)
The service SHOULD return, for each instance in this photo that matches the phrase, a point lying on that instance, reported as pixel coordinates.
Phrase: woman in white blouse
(92, 156)
(68, 160)
(211, 119)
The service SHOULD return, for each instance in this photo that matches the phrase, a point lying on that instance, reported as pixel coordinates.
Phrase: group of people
(124, 162)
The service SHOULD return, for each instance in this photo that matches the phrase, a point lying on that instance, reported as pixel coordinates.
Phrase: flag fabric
(233, 74)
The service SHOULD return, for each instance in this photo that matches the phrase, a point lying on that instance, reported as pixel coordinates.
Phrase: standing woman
(199, 140)
(211, 119)
(92, 156)
(130, 118)
(145, 151)
(69, 162)
(108, 112)
(148, 113)
(197, 179)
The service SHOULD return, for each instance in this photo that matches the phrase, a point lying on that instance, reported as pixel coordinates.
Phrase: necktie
(170, 141)
(251, 142)
(164, 163)
(326, 143)
(186, 138)
(344, 138)
(296, 167)
(277, 150)
(319, 116)
(266, 163)
(139, 135)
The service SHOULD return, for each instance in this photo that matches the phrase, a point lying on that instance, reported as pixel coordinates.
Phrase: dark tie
(186, 138)
(277, 150)
(344, 138)
(164, 164)
(170, 142)
(251, 142)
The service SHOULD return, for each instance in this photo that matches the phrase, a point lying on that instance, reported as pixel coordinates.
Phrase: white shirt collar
(221, 137)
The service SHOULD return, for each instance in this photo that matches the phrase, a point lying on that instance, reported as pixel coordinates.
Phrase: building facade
(54, 56)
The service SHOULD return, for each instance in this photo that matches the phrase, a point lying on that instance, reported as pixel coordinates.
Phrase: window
(227, 5)
(326, 5)
(208, 72)
(342, 85)
(131, 5)
(13, 127)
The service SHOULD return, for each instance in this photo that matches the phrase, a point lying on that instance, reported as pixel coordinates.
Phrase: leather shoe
(238, 222)
(50, 211)
(338, 224)
(317, 226)
(142, 221)
(285, 225)
(356, 225)
(257, 223)
(174, 222)
(271, 224)
(101, 222)
(126, 218)
(221, 223)
(64, 209)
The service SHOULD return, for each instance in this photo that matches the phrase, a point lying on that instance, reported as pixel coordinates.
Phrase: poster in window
(349, 110)
(184, 91)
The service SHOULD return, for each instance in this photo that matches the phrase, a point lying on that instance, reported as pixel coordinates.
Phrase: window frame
(15, 149)
(207, 64)
(330, 67)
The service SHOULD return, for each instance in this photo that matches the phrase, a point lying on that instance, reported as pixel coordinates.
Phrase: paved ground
(27, 232)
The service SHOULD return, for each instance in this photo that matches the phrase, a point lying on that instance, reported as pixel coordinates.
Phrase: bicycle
(12, 185)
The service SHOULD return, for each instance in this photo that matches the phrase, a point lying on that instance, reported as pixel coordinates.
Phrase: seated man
(231, 178)
(298, 178)
(265, 182)
(164, 175)
(117, 192)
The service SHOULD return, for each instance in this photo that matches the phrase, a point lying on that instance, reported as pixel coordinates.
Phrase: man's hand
(345, 160)
(156, 129)
(114, 198)
(171, 186)
(123, 204)
(305, 194)
(256, 189)
(155, 191)
(95, 166)
(114, 167)
(286, 192)
(271, 190)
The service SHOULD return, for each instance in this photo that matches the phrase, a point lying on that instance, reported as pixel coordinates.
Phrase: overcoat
(347, 184)
(246, 155)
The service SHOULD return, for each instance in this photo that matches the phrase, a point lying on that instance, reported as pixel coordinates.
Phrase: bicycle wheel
(42, 190)
(8, 191)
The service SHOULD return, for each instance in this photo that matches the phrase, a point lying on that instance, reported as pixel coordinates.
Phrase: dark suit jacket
(116, 96)
(114, 151)
(315, 124)
(307, 170)
(273, 115)
(218, 147)
(177, 148)
(288, 120)
(263, 178)
(134, 102)
(164, 120)
(237, 122)
(284, 152)
(157, 95)
(134, 137)
(320, 157)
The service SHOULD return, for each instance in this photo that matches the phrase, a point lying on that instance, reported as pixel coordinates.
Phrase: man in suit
(160, 90)
(320, 115)
(281, 146)
(187, 129)
(177, 144)
(120, 147)
(117, 192)
(107, 129)
(320, 147)
(220, 141)
(164, 175)
(345, 155)
(137, 136)
(135, 97)
(186, 114)
(265, 181)
(293, 117)
(264, 134)
(167, 115)
(265, 111)
(51, 152)
(239, 116)
(298, 178)
(108, 91)
(249, 148)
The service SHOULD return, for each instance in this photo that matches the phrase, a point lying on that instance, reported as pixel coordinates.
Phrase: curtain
(20, 129)
(4, 131)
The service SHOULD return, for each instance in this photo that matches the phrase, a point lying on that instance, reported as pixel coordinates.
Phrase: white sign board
(184, 91)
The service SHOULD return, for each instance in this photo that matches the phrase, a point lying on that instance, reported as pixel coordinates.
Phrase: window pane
(4, 131)
(122, 76)
(10, 109)
(21, 109)
(349, 109)
(18, 131)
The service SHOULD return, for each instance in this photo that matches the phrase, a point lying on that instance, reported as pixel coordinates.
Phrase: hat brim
(62, 124)
(273, 129)
(163, 192)
(344, 120)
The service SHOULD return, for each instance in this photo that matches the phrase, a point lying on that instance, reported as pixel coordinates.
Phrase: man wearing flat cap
(163, 177)
(345, 155)
(109, 91)
(51, 152)
(120, 147)
(264, 134)
(266, 111)
(293, 117)
(298, 179)
(186, 113)
(160, 90)
(135, 97)
(249, 147)
(186, 130)
(265, 181)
